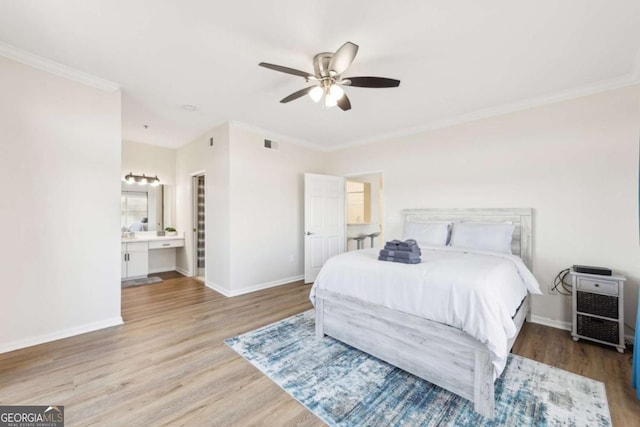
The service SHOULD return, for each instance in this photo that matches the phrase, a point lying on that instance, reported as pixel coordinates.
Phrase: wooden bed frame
(441, 354)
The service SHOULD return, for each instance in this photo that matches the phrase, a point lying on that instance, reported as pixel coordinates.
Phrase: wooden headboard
(521, 244)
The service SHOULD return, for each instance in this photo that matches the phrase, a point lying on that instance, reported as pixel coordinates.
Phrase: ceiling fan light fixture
(316, 93)
(330, 101)
(327, 79)
(336, 92)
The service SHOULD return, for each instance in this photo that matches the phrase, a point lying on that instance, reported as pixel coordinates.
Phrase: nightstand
(598, 309)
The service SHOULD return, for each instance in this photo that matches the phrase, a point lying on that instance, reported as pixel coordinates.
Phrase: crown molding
(617, 83)
(56, 68)
(278, 136)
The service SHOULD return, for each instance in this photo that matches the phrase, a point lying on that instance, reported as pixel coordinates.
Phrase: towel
(409, 243)
(414, 249)
(398, 245)
(400, 254)
(402, 260)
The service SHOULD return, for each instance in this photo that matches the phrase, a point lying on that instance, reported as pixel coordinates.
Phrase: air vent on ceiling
(271, 145)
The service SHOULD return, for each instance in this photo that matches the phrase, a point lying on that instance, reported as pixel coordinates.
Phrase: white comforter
(478, 292)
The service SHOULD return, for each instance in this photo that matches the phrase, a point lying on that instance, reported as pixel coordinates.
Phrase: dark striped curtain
(201, 222)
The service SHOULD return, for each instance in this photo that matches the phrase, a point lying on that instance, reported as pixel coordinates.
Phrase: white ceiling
(454, 58)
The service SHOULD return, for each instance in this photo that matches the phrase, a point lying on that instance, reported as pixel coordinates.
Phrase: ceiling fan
(328, 68)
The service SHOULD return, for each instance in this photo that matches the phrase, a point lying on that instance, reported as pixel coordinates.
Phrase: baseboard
(629, 339)
(567, 326)
(558, 324)
(65, 333)
(209, 284)
(249, 289)
(183, 271)
(162, 270)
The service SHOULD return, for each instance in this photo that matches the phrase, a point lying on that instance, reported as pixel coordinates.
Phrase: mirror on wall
(358, 202)
(142, 207)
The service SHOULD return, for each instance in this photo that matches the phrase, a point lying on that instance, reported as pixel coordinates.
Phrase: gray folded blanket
(400, 254)
(399, 245)
(402, 260)
(409, 243)
(412, 249)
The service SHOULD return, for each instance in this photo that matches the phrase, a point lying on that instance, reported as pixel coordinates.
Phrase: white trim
(592, 89)
(567, 326)
(558, 324)
(236, 292)
(64, 333)
(219, 289)
(357, 174)
(183, 271)
(278, 137)
(162, 269)
(629, 339)
(56, 68)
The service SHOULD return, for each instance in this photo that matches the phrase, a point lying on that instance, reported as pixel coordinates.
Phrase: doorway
(364, 206)
(199, 249)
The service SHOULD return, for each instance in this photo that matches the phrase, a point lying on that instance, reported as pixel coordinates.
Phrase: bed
(443, 355)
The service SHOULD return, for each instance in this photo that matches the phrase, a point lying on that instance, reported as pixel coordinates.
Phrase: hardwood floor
(168, 365)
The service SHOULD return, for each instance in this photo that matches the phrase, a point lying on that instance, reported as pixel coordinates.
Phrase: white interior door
(324, 221)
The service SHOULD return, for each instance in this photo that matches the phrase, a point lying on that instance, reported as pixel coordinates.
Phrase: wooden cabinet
(598, 308)
(135, 260)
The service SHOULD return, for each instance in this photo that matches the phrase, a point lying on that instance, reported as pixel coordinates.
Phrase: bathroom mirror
(358, 202)
(142, 207)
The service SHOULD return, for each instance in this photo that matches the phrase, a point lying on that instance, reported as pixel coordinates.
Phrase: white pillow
(428, 233)
(494, 237)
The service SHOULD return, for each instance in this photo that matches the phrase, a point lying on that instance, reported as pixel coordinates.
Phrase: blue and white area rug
(346, 387)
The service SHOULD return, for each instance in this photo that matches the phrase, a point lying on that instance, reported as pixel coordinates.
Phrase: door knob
(309, 233)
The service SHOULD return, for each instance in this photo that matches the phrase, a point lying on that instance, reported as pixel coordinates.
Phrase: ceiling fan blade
(343, 58)
(286, 70)
(376, 82)
(344, 103)
(296, 95)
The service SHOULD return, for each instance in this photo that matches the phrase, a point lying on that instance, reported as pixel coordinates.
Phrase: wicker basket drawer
(599, 329)
(600, 305)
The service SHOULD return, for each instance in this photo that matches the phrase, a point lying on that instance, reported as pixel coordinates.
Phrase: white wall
(267, 209)
(152, 160)
(60, 184)
(254, 208)
(199, 157)
(574, 162)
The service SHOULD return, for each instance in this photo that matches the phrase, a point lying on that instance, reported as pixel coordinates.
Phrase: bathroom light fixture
(141, 179)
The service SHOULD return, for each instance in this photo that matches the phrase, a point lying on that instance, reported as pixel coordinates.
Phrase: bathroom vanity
(148, 253)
